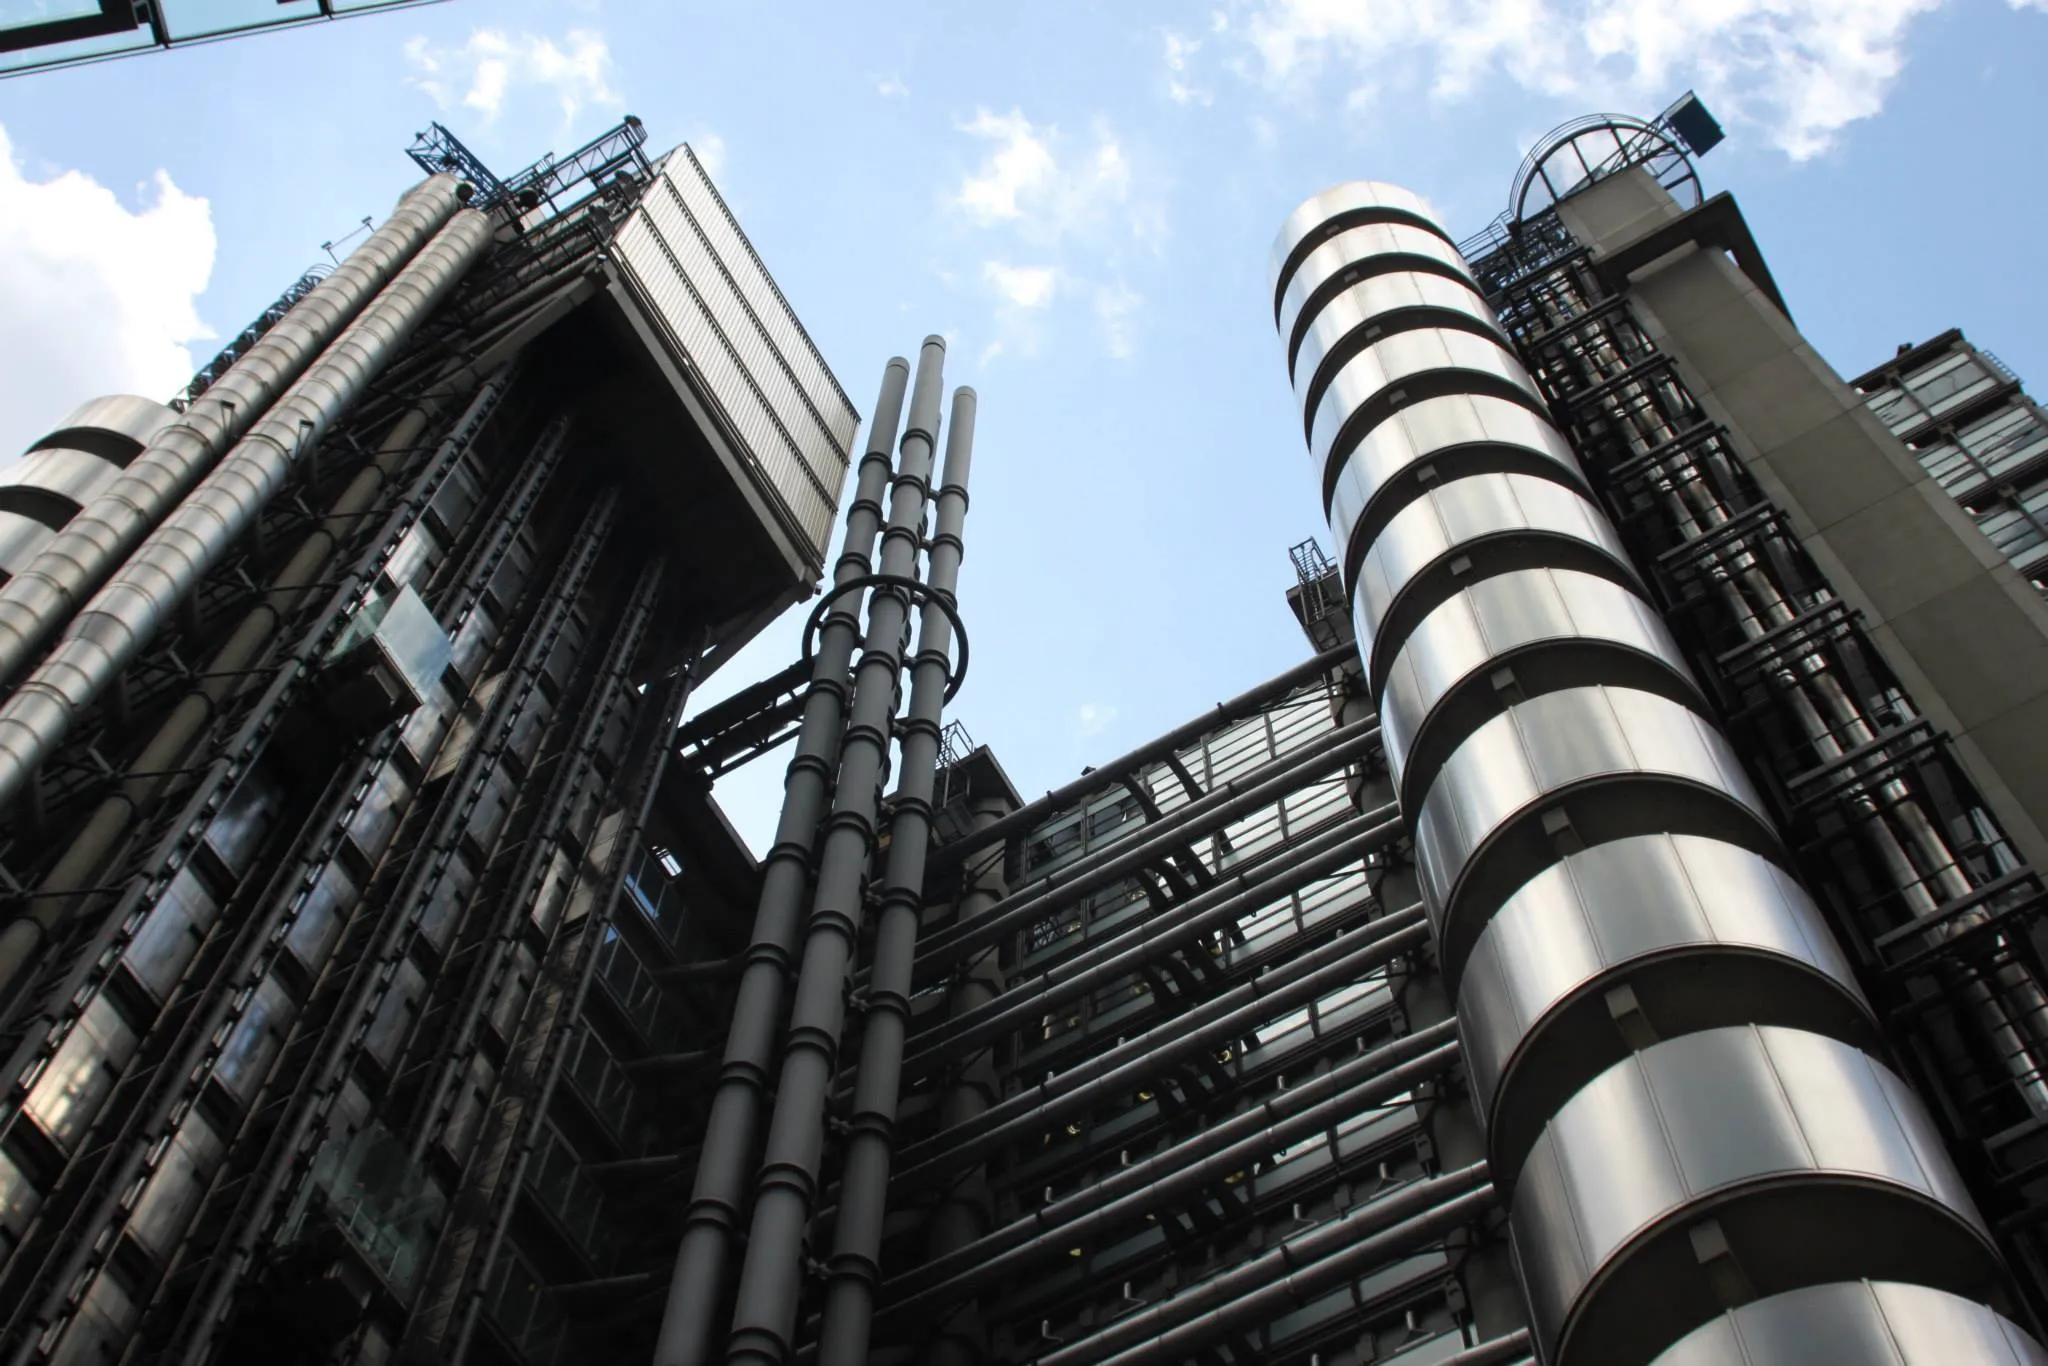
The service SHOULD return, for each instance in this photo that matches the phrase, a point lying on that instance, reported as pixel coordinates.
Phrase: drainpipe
(855, 1270)
(696, 1286)
(764, 1315)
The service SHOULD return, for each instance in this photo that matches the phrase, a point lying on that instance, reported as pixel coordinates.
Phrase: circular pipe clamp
(919, 591)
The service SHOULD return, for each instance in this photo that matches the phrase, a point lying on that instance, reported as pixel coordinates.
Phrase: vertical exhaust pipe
(764, 1316)
(854, 1270)
(730, 1135)
(35, 603)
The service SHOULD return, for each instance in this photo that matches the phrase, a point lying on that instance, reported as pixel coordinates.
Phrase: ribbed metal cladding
(1686, 1100)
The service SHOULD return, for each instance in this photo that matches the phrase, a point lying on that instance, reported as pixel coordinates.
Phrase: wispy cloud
(1093, 718)
(1179, 89)
(101, 297)
(892, 88)
(1076, 205)
(1116, 313)
(1024, 286)
(493, 66)
(1798, 70)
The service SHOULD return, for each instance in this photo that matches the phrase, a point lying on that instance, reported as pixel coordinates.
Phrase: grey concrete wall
(1966, 634)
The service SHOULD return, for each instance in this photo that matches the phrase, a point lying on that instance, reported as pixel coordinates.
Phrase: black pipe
(730, 1134)
(1166, 1176)
(1322, 970)
(854, 1270)
(764, 1312)
(1296, 1271)
(1143, 939)
(1105, 776)
(1214, 810)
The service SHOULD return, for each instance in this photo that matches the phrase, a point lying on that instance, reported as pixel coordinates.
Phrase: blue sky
(1081, 198)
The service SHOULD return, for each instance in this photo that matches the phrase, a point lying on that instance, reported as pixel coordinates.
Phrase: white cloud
(1073, 208)
(1799, 70)
(892, 88)
(100, 298)
(1025, 183)
(1093, 718)
(491, 64)
(1024, 286)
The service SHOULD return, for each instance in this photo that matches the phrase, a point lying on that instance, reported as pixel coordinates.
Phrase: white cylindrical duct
(1679, 1076)
(39, 597)
(125, 615)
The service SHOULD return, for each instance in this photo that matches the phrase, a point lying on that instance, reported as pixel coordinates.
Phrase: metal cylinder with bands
(1689, 1112)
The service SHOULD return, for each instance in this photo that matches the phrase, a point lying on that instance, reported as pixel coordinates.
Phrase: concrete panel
(1720, 344)
(1681, 287)
(1618, 210)
(1992, 658)
(2017, 743)
(1836, 470)
(1778, 400)
(1900, 550)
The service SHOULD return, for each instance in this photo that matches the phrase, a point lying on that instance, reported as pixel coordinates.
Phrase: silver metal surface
(1447, 436)
(1629, 758)
(1464, 640)
(1766, 1158)
(68, 473)
(691, 268)
(1338, 201)
(1452, 518)
(1403, 360)
(36, 601)
(127, 613)
(20, 538)
(134, 420)
(1858, 1323)
(1697, 933)
(1373, 299)
(1377, 248)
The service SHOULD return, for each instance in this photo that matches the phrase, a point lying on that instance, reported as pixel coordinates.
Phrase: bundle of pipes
(152, 535)
(842, 749)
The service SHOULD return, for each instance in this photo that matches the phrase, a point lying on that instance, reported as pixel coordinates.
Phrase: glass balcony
(384, 1203)
(656, 1014)
(566, 1190)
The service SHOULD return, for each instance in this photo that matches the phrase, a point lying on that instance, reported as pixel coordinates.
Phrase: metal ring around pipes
(919, 592)
(35, 602)
(125, 616)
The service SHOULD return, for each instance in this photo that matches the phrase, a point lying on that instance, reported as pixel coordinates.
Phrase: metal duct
(70, 467)
(855, 1270)
(125, 615)
(41, 595)
(764, 1314)
(1675, 1065)
(696, 1287)
(1858, 1323)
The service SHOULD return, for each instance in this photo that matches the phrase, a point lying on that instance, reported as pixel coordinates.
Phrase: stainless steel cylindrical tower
(1686, 1100)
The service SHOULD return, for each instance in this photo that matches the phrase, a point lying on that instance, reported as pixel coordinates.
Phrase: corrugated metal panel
(692, 267)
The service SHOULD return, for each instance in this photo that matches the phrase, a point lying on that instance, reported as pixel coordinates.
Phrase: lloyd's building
(1617, 944)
